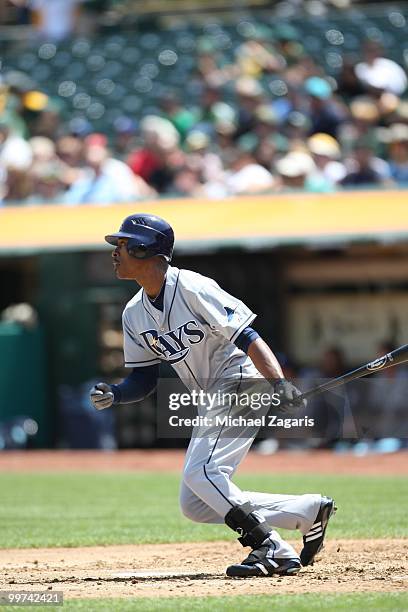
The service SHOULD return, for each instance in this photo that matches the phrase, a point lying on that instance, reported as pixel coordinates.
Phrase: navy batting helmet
(148, 236)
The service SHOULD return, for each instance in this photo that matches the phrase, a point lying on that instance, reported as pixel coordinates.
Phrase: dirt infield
(162, 570)
(165, 570)
(317, 462)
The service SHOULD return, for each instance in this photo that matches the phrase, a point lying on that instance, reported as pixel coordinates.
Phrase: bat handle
(308, 394)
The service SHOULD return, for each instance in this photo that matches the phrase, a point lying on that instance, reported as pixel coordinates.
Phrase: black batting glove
(288, 395)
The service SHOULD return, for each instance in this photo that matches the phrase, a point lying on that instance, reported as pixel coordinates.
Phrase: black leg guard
(248, 524)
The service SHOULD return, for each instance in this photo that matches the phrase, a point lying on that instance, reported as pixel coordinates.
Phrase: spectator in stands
(249, 97)
(384, 409)
(125, 136)
(366, 169)
(257, 56)
(224, 137)
(15, 151)
(3, 185)
(265, 95)
(43, 150)
(48, 172)
(186, 183)
(378, 73)
(47, 183)
(55, 19)
(47, 121)
(14, 85)
(179, 115)
(246, 176)
(266, 121)
(325, 113)
(361, 125)
(349, 85)
(224, 115)
(296, 74)
(15, 160)
(398, 153)
(297, 126)
(329, 409)
(104, 179)
(326, 152)
(18, 186)
(270, 138)
(209, 98)
(288, 43)
(400, 114)
(265, 152)
(189, 180)
(70, 149)
(157, 160)
(211, 68)
(201, 157)
(144, 161)
(295, 171)
(70, 152)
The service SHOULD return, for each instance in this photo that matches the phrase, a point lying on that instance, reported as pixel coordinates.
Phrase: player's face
(126, 266)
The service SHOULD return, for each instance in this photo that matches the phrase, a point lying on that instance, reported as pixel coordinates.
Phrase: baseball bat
(399, 355)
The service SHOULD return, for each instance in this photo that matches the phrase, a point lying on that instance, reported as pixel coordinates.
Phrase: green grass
(70, 509)
(308, 602)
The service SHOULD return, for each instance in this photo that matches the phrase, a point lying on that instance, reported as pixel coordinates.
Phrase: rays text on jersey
(174, 345)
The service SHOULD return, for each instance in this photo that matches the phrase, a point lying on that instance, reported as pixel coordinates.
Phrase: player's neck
(153, 291)
(153, 281)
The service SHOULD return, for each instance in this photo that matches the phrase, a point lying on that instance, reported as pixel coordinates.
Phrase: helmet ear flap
(138, 251)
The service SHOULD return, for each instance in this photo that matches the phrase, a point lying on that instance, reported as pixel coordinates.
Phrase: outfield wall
(247, 221)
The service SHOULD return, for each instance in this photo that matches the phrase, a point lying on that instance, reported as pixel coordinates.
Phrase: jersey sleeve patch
(230, 312)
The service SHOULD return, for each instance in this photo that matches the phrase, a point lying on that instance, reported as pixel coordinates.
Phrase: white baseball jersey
(194, 333)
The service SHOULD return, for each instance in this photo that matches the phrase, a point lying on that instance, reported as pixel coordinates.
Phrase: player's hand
(288, 395)
(101, 396)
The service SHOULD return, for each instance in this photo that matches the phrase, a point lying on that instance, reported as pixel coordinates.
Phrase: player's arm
(267, 364)
(134, 388)
(264, 360)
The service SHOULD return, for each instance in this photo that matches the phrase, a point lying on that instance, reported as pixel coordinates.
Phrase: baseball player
(187, 320)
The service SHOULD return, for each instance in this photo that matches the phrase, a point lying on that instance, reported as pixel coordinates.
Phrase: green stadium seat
(123, 72)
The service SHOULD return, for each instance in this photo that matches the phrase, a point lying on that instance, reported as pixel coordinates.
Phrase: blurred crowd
(271, 120)
(368, 415)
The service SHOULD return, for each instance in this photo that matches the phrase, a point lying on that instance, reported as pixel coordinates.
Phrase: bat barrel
(400, 355)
